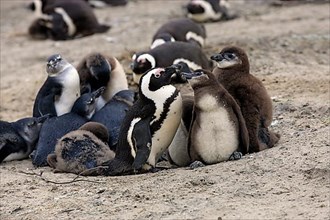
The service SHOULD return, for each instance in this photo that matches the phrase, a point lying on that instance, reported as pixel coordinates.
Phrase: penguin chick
(18, 139)
(60, 90)
(113, 113)
(54, 128)
(218, 128)
(209, 10)
(81, 150)
(149, 125)
(180, 29)
(63, 20)
(167, 54)
(233, 72)
(97, 70)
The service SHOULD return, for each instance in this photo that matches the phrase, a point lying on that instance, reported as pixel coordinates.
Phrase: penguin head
(55, 64)
(29, 128)
(157, 80)
(85, 105)
(200, 78)
(141, 63)
(161, 39)
(231, 57)
(195, 7)
(99, 68)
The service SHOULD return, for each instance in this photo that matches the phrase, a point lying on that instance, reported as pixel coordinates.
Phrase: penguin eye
(90, 101)
(157, 75)
(229, 56)
(31, 124)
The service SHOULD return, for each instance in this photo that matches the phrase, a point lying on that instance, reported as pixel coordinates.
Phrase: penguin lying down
(82, 149)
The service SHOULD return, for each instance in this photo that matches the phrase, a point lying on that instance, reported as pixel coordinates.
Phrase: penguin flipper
(142, 141)
(46, 106)
(7, 148)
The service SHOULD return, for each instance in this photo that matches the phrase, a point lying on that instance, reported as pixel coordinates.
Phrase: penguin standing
(113, 113)
(218, 129)
(18, 139)
(97, 70)
(180, 29)
(149, 125)
(208, 10)
(82, 149)
(60, 90)
(167, 54)
(233, 72)
(54, 128)
(63, 20)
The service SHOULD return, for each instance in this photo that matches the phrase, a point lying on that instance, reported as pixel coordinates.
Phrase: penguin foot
(157, 169)
(235, 156)
(196, 164)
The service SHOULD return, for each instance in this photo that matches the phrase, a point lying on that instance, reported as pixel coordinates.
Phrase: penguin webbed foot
(235, 156)
(196, 164)
(157, 169)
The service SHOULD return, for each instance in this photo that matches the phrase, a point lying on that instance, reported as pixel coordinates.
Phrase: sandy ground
(289, 51)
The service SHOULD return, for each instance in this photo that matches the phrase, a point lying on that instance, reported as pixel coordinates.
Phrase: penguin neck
(231, 74)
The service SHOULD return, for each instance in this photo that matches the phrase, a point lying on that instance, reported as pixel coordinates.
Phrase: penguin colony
(87, 121)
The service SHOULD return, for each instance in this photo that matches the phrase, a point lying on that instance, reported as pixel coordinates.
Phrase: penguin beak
(187, 76)
(98, 92)
(217, 57)
(43, 118)
(174, 69)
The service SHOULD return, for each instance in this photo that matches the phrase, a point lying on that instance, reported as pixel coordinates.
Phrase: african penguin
(208, 10)
(18, 139)
(54, 128)
(180, 29)
(97, 70)
(113, 113)
(233, 72)
(60, 90)
(63, 20)
(217, 128)
(167, 54)
(82, 149)
(149, 125)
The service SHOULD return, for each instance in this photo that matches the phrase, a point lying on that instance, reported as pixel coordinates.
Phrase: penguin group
(87, 120)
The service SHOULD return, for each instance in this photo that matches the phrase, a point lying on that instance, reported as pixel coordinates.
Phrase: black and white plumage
(168, 54)
(180, 29)
(63, 20)
(54, 128)
(60, 90)
(18, 139)
(113, 113)
(81, 150)
(149, 125)
(97, 70)
(208, 10)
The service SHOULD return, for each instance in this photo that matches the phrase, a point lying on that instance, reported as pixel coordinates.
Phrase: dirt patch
(289, 51)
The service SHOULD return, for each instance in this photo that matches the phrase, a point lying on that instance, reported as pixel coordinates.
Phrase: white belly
(215, 138)
(178, 150)
(70, 92)
(164, 136)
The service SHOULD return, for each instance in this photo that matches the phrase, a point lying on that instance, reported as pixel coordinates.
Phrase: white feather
(208, 14)
(216, 138)
(68, 21)
(196, 37)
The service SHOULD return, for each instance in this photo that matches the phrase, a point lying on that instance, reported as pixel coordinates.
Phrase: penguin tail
(102, 28)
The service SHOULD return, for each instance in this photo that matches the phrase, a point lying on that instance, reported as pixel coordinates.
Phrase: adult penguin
(149, 125)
